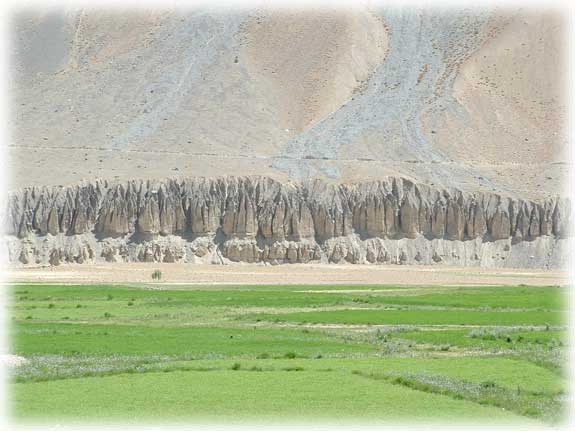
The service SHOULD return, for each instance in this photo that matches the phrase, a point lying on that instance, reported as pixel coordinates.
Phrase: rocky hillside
(377, 135)
(257, 219)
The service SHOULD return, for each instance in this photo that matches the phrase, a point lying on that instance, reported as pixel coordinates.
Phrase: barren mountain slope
(514, 80)
(454, 98)
(372, 136)
(311, 62)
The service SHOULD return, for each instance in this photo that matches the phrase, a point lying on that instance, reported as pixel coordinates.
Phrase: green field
(313, 353)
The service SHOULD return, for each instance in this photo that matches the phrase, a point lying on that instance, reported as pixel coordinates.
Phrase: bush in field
(157, 275)
(491, 334)
(360, 300)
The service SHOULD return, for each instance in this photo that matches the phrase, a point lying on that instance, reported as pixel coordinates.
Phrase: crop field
(238, 353)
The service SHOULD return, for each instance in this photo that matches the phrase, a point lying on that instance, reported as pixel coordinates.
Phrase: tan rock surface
(258, 219)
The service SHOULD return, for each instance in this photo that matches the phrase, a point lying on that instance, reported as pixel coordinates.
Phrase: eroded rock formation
(257, 219)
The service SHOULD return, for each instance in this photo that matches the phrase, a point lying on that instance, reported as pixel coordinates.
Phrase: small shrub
(263, 356)
(65, 318)
(130, 303)
(492, 334)
(236, 366)
(51, 305)
(360, 300)
(107, 315)
(79, 306)
(109, 297)
(290, 355)
(28, 317)
(292, 369)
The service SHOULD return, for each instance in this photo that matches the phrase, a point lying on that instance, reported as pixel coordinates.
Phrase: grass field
(251, 353)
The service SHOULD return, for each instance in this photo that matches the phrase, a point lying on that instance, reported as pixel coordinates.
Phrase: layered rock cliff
(257, 219)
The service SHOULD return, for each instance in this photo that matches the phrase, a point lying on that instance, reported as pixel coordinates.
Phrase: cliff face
(257, 219)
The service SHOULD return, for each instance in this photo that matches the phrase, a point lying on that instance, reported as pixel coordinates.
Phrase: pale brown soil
(514, 78)
(311, 61)
(285, 274)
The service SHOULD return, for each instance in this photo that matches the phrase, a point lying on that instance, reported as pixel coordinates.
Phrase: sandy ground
(284, 274)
